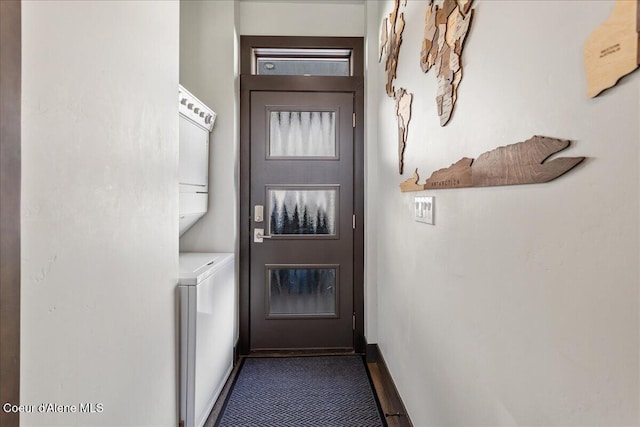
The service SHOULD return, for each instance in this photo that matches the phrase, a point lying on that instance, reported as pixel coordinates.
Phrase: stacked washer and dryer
(206, 287)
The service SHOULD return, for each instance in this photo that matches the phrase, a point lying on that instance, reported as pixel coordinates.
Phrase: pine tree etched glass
(297, 211)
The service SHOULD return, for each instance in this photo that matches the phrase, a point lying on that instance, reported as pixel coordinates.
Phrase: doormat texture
(323, 391)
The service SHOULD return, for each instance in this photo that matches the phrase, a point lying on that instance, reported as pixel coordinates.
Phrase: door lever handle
(258, 235)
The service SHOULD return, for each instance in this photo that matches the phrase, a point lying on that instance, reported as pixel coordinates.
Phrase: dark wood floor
(390, 402)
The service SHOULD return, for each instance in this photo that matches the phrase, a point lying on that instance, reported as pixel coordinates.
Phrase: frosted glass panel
(302, 291)
(302, 134)
(296, 211)
(304, 66)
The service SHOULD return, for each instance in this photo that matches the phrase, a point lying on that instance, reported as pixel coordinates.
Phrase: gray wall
(99, 210)
(208, 69)
(520, 306)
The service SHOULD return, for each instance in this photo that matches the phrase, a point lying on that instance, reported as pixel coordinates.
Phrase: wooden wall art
(613, 50)
(390, 41)
(412, 183)
(445, 31)
(384, 39)
(403, 113)
(520, 163)
(394, 25)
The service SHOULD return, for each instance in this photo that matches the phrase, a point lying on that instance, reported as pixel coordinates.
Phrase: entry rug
(322, 391)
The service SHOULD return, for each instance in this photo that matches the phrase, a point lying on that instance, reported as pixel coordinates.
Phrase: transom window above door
(302, 62)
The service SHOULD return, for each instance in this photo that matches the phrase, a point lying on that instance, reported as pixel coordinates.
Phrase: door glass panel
(301, 291)
(297, 211)
(302, 61)
(302, 134)
(304, 66)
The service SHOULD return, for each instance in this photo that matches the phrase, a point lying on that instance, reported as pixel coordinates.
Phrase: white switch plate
(423, 209)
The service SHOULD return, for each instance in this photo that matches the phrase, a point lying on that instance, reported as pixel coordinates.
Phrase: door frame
(10, 182)
(249, 83)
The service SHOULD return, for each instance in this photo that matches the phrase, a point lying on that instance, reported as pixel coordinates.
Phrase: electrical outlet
(423, 209)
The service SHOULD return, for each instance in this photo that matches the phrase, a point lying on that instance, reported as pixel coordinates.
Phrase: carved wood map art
(390, 40)
(445, 31)
(403, 115)
(613, 50)
(520, 163)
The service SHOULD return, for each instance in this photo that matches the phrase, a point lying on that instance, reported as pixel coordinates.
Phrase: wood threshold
(300, 353)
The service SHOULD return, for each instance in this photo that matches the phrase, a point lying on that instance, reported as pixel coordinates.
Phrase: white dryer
(207, 296)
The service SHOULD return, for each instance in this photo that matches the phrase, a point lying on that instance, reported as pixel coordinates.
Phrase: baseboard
(392, 406)
(372, 353)
(236, 353)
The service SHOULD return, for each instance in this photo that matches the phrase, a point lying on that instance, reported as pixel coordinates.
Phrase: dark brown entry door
(301, 195)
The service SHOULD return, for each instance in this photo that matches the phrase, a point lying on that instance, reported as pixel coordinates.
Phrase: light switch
(423, 209)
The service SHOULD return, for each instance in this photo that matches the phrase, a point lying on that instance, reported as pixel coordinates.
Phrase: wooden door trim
(10, 170)
(247, 43)
(249, 83)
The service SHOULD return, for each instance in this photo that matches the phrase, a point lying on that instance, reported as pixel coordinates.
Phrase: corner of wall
(371, 167)
(208, 68)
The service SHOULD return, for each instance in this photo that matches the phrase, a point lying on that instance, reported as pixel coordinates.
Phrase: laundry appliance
(207, 298)
(195, 123)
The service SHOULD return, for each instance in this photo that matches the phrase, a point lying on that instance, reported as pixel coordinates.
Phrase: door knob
(258, 235)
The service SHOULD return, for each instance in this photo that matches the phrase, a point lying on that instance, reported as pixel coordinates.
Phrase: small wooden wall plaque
(613, 50)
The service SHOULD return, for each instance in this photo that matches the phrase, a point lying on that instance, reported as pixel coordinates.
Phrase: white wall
(373, 76)
(99, 210)
(208, 69)
(302, 18)
(520, 306)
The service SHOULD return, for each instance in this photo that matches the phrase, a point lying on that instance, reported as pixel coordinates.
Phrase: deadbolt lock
(258, 213)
